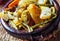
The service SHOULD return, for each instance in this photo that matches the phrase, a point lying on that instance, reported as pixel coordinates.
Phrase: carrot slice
(13, 3)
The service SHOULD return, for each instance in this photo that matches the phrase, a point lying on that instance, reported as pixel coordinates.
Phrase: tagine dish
(29, 15)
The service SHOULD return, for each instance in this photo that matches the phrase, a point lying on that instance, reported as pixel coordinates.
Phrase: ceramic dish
(43, 31)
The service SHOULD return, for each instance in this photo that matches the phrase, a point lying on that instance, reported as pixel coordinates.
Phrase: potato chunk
(46, 13)
(34, 12)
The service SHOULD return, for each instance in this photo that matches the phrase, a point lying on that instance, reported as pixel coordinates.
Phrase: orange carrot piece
(12, 4)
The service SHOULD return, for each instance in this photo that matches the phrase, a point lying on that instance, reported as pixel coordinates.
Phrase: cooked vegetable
(29, 28)
(53, 10)
(12, 4)
(29, 14)
(4, 16)
(34, 1)
(19, 11)
(24, 16)
(9, 15)
(42, 1)
(13, 24)
(16, 21)
(43, 23)
(1, 15)
(24, 3)
(45, 12)
(34, 12)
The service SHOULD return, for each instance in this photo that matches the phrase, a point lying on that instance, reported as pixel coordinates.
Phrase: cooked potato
(42, 1)
(34, 12)
(46, 12)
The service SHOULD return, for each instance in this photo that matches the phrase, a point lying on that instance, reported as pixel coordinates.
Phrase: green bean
(29, 28)
(12, 24)
(35, 25)
(24, 27)
(46, 21)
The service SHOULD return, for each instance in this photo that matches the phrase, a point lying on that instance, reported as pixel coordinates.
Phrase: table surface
(4, 36)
